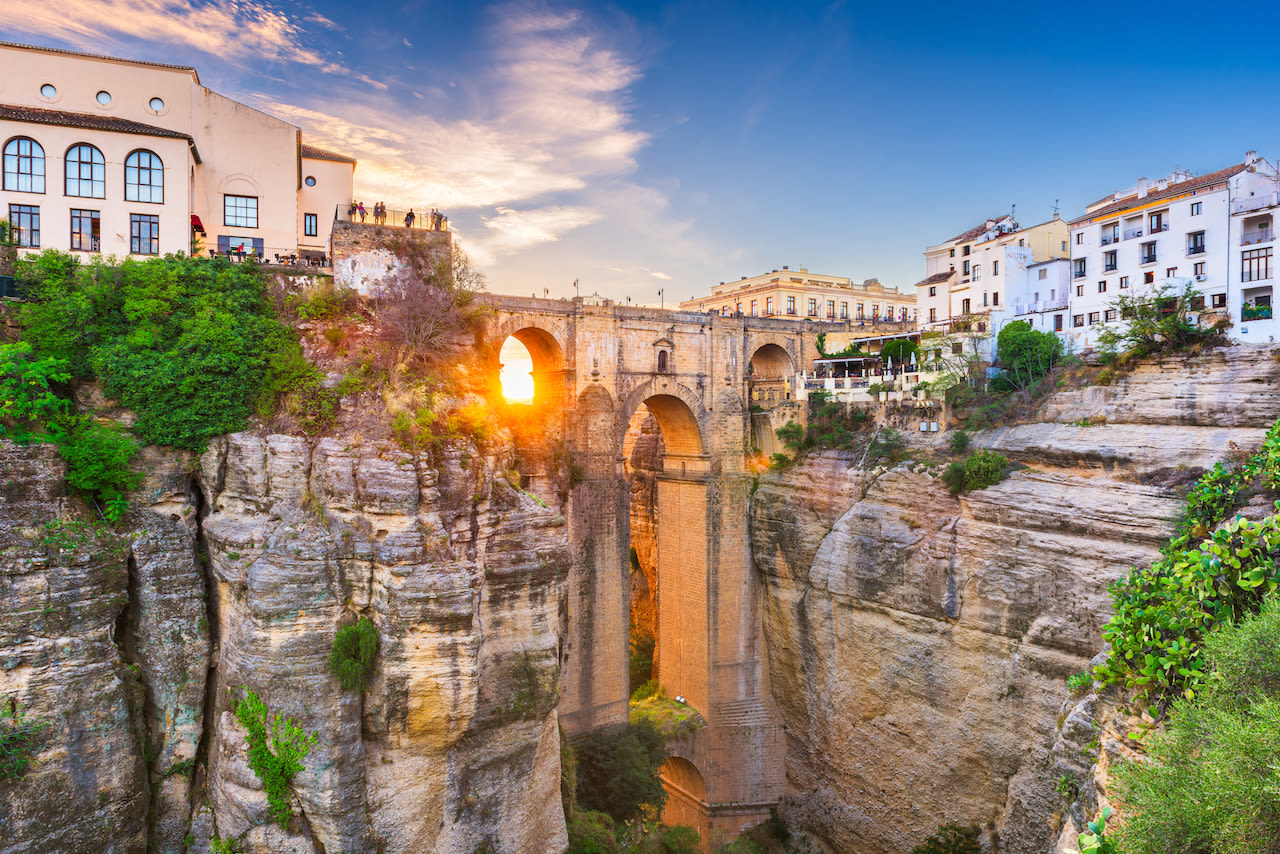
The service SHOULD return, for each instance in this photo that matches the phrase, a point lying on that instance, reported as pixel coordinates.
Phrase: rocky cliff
(919, 643)
(234, 571)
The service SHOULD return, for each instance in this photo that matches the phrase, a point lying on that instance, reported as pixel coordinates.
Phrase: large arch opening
(686, 794)
(529, 364)
(526, 380)
(771, 374)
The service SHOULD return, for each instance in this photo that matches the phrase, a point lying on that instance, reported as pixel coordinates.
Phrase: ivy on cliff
(275, 752)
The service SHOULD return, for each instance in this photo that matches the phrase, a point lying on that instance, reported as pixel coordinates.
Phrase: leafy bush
(1027, 355)
(1079, 682)
(190, 345)
(354, 648)
(275, 755)
(1210, 782)
(979, 470)
(618, 770)
(641, 664)
(960, 441)
(591, 832)
(99, 458)
(1157, 321)
(1095, 841)
(19, 738)
(791, 435)
(679, 839)
(900, 350)
(27, 399)
(889, 445)
(951, 839)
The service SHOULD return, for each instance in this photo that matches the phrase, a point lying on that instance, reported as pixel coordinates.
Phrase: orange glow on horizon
(516, 376)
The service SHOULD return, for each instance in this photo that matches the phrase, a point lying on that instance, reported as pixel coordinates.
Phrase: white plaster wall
(364, 270)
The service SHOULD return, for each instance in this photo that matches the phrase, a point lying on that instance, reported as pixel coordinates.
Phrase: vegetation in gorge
(1206, 576)
(642, 646)
(978, 470)
(19, 739)
(1159, 321)
(1211, 784)
(354, 649)
(618, 771)
(1025, 355)
(951, 839)
(275, 752)
(831, 424)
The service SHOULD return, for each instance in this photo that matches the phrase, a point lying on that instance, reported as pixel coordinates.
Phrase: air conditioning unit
(1201, 277)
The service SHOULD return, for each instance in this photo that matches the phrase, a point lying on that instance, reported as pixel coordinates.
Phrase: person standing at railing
(351, 212)
(363, 212)
(408, 219)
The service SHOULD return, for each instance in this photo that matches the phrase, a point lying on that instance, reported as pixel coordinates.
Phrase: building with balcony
(1213, 231)
(800, 294)
(122, 157)
(1037, 293)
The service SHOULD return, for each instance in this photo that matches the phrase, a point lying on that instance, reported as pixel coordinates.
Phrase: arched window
(23, 165)
(143, 177)
(662, 361)
(86, 172)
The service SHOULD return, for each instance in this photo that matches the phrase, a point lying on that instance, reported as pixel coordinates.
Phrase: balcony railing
(1148, 259)
(1161, 227)
(1110, 268)
(421, 220)
(1262, 235)
(1255, 312)
(1132, 233)
(1043, 305)
(1254, 203)
(1078, 274)
(1108, 239)
(1196, 249)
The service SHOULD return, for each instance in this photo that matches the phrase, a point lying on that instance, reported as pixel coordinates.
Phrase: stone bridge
(594, 367)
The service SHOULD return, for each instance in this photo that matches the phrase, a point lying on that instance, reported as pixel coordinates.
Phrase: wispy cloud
(664, 276)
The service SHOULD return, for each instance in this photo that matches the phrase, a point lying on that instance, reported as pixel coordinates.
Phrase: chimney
(1142, 188)
(785, 267)
(1250, 158)
(743, 279)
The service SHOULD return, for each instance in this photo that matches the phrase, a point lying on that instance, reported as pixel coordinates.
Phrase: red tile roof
(966, 236)
(314, 153)
(88, 121)
(935, 279)
(1177, 189)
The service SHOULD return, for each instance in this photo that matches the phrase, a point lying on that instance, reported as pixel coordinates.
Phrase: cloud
(407, 43)
(512, 230)
(327, 23)
(665, 277)
(239, 30)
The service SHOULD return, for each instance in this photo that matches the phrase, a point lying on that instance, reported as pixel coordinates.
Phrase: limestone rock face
(237, 570)
(919, 643)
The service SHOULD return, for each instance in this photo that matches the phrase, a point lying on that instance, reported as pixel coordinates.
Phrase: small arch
(143, 177)
(684, 775)
(86, 172)
(23, 165)
(662, 361)
(771, 361)
(545, 358)
(680, 431)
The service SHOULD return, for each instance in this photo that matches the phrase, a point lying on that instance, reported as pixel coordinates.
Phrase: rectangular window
(86, 234)
(933, 315)
(1110, 315)
(1218, 301)
(25, 220)
(768, 306)
(1149, 277)
(240, 211)
(977, 272)
(965, 268)
(1094, 317)
(1064, 245)
(1124, 281)
(831, 308)
(1148, 253)
(1195, 243)
(144, 234)
(813, 308)
(1043, 274)
(859, 307)
(1108, 261)
(844, 309)
(875, 310)
(1079, 238)
(995, 268)
(1079, 290)
(310, 225)
(1111, 234)
(1255, 265)
(1077, 320)
(995, 298)
(1198, 269)
(791, 305)
(1197, 303)
(1079, 266)
(933, 291)
(1170, 272)
(964, 306)
(966, 250)
(1195, 208)
(1102, 286)
(953, 253)
(1157, 223)
(1057, 323)
(754, 311)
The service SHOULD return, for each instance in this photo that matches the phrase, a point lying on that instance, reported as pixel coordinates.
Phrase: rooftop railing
(418, 220)
(1253, 203)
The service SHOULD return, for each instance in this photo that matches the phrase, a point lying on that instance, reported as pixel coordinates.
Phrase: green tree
(951, 839)
(1027, 355)
(900, 350)
(618, 770)
(1156, 321)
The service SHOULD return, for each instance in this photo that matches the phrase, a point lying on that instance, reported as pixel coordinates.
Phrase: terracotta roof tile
(981, 228)
(935, 279)
(315, 153)
(88, 121)
(1177, 189)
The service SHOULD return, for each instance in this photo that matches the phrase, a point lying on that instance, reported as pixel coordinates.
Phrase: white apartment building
(1213, 230)
(1036, 292)
(120, 157)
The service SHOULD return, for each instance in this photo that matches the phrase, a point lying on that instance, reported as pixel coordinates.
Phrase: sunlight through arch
(517, 371)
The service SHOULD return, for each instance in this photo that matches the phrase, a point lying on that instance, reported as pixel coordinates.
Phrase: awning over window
(197, 225)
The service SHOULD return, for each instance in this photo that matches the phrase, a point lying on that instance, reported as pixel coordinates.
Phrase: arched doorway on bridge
(770, 385)
(686, 794)
(527, 379)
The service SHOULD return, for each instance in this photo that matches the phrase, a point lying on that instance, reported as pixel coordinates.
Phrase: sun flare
(517, 372)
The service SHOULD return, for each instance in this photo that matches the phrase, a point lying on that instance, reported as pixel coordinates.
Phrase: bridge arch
(679, 412)
(686, 794)
(546, 353)
(772, 361)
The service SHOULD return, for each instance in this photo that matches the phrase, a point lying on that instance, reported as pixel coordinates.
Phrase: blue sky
(638, 146)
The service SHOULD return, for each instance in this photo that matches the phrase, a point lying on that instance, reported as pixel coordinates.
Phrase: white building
(1037, 293)
(1212, 230)
(119, 157)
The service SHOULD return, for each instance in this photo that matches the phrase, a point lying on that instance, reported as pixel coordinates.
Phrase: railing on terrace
(1132, 233)
(1262, 235)
(1043, 305)
(273, 255)
(422, 220)
(1148, 259)
(1196, 249)
(1108, 239)
(1253, 203)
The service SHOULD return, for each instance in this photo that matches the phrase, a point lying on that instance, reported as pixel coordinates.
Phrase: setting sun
(516, 376)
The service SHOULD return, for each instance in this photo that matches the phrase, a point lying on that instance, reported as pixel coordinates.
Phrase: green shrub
(99, 458)
(641, 664)
(618, 770)
(680, 839)
(27, 399)
(1095, 840)
(19, 739)
(960, 441)
(889, 445)
(591, 832)
(354, 649)
(977, 471)
(645, 691)
(792, 435)
(1212, 779)
(1079, 682)
(951, 839)
(275, 755)
(1026, 354)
